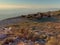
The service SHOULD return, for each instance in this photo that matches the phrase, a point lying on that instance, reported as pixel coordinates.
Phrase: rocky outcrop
(41, 15)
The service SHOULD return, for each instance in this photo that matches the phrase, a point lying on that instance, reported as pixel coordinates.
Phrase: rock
(21, 43)
(2, 36)
(52, 41)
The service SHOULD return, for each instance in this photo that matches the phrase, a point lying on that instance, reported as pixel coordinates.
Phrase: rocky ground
(31, 33)
(30, 30)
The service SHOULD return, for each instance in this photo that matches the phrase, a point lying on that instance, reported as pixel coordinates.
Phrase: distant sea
(8, 13)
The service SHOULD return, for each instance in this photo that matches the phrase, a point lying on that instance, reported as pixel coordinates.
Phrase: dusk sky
(6, 4)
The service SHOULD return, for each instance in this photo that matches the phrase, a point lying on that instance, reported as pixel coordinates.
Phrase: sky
(12, 4)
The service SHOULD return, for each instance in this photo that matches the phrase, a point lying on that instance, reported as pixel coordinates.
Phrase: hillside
(32, 29)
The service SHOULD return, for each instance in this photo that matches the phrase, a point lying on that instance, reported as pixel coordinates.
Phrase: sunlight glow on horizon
(7, 6)
(13, 6)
